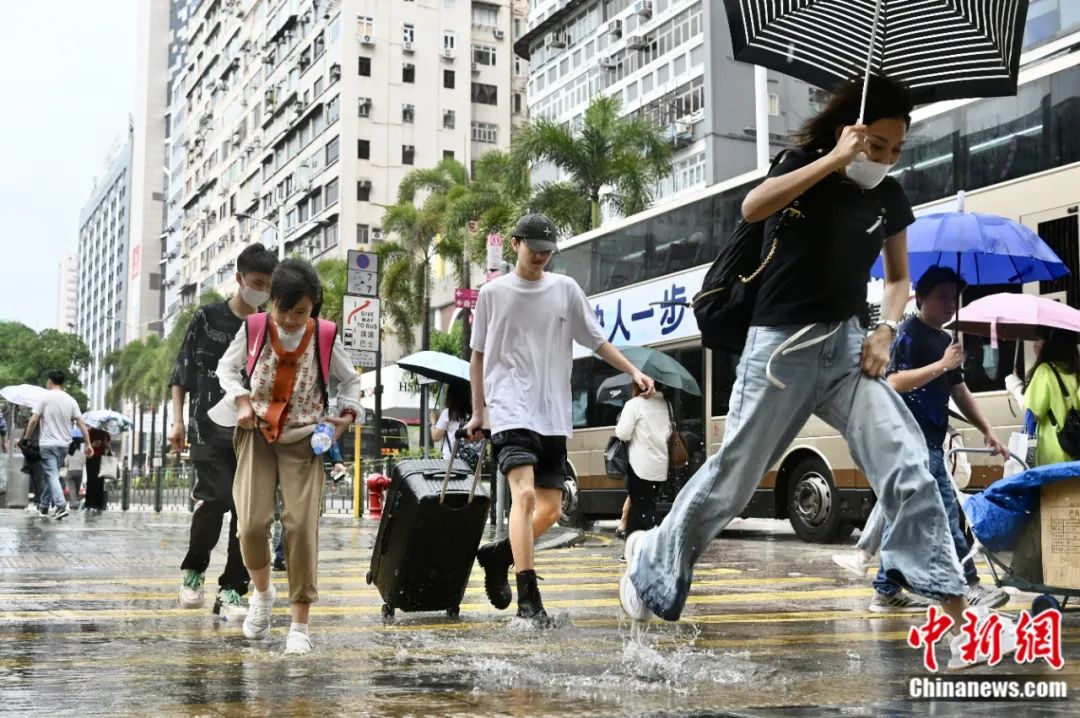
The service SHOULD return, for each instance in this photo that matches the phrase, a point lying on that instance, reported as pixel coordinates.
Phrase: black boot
(530, 605)
(496, 559)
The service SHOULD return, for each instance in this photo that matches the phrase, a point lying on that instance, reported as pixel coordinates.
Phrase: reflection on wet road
(89, 625)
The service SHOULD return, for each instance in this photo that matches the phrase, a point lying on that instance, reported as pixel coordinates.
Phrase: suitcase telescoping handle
(459, 439)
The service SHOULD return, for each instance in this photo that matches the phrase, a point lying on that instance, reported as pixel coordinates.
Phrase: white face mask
(867, 173)
(253, 297)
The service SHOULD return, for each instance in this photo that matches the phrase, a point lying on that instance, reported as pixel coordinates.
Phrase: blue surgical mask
(990, 361)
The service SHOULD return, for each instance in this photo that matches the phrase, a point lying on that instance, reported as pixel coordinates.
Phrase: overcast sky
(67, 76)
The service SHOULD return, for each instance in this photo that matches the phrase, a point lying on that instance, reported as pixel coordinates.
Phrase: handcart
(1003, 570)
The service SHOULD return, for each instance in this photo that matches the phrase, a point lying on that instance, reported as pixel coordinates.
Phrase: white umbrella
(108, 420)
(23, 394)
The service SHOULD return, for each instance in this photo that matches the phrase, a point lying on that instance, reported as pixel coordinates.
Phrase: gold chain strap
(788, 213)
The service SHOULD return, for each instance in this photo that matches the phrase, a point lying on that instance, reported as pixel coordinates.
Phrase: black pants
(215, 467)
(95, 485)
(643, 493)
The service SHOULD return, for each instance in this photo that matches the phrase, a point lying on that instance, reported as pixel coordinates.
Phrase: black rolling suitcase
(432, 522)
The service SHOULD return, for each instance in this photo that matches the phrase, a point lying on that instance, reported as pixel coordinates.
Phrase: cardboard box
(1060, 510)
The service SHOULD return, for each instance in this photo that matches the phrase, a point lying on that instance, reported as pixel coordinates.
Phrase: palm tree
(627, 154)
(334, 276)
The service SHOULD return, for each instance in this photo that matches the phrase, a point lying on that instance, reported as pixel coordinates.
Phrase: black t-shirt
(917, 345)
(210, 333)
(822, 262)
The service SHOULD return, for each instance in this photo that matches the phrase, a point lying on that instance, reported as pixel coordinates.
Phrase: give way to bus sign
(360, 323)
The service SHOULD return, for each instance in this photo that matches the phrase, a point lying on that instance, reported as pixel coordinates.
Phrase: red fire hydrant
(376, 485)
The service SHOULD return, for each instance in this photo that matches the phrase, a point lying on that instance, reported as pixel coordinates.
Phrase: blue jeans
(873, 531)
(882, 583)
(823, 380)
(52, 458)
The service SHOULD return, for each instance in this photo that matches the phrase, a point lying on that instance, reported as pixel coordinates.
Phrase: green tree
(27, 357)
(334, 276)
(626, 154)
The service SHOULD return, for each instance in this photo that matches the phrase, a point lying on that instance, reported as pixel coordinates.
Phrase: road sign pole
(362, 337)
(358, 473)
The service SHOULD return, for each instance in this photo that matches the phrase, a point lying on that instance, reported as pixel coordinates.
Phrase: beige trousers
(260, 468)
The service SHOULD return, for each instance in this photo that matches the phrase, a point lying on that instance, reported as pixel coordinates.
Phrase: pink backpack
(256, 327)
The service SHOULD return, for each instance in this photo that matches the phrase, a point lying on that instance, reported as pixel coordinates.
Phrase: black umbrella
(941, 49)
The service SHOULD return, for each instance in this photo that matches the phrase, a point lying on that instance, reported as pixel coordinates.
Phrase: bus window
(976, 375)
(395, 439)
(689, 409)
(601, 413)
(579, 392)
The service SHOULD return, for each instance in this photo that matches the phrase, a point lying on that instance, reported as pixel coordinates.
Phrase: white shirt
(230, 373)
(57, 411)
(526, 330)
(645, 424)
(450, 427)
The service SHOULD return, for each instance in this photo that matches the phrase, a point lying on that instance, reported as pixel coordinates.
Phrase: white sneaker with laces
(257, 622)
(1008, 640)
(229, 605)
(191, 589)
(632, 604)
(297, 643)
(855, 561)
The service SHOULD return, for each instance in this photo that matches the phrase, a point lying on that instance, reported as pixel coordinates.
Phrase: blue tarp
(999, 514)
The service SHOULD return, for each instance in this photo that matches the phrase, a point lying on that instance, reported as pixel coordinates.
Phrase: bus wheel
(813, 507)
(571, 515)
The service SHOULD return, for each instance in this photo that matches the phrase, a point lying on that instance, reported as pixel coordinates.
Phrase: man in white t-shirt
(524, 328)
(55, 414)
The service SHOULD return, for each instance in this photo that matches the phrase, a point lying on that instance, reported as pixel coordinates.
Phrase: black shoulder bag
(1068, 434)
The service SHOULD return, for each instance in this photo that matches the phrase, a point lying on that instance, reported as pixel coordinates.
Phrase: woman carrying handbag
(101, 465)
(646, 425)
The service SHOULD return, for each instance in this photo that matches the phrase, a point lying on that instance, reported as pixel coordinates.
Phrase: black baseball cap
(538, 232)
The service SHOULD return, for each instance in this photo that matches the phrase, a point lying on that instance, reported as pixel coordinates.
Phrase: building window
(365, 25)
(330, 236)
(332, 192)
(485, 14)
(448, 79)
(449, 39)
(319, 45)
(448, 154)
(408, 154)
(448, 119)
(363, 234)
(317, 89)
(365, 67)
(363, 190)
(485, 132)
(485, 94)
(408, 113)
(517, 103)
(483, 54)
(774, 104)
(333, 150)
(363, 107)
(333, 109)
(408, 73)
(363, 149)
(519, 67)
(408, 33)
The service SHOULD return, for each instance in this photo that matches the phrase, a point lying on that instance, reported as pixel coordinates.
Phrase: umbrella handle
(869, 61)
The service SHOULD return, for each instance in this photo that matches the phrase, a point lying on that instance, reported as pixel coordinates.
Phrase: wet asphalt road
(89, 625)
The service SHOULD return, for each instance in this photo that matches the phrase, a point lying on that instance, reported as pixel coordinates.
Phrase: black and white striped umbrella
(942, 49)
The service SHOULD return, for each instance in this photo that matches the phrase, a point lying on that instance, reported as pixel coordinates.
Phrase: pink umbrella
(1015, 316)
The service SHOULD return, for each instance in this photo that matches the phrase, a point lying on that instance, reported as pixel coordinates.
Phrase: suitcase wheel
(387, 611)
(368, 578)
(453, 612)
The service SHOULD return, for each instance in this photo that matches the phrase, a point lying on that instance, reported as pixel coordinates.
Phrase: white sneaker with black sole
(62, 514)
(980, 595)
(632, 604)
(956, 645)
(899, 602)
(855, 562)
(260, 606)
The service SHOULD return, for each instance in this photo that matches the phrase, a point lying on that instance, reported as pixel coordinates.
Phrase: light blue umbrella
(436, 366)
(108, 420)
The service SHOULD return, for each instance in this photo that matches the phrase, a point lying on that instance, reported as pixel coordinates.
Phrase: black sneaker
(62, 513)
(279, 564)
(530, 605)
(496, 560)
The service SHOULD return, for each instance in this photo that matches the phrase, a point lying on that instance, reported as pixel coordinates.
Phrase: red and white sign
(360, 325)
(465, 298)
(136, 261)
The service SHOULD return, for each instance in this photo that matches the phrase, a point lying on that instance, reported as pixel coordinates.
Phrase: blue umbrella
(983, 248)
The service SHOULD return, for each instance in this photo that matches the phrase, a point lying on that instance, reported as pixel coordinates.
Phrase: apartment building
(302, 117)
(668, 60)
(174, 160)
(103, 276)
(67, 296)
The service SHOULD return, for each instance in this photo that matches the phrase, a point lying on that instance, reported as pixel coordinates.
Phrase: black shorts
(546, 454)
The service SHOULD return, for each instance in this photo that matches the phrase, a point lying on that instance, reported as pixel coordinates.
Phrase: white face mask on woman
(866, 173)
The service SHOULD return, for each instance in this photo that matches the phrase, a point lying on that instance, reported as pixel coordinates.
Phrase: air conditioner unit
(475, 68)
(270, 97)
(409, 148)
(448, 53)
(364, 107)
(556, 39)
(236, 139)
(363, 184)
(221, 243)
(303, 61)
(608, 63)
(298, 108)
(335, 73)
(367, 40)
(679, 134)
(376, 234)
(407, 47)
(614, 28)
(643, 8)
(499, 34)
(637, 42)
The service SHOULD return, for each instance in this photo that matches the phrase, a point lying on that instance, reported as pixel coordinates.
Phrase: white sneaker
(191, 590)
(856, 562)
(632, 604)
(1008, 639)
(257, 622)
(229, 605)
(297, 643)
